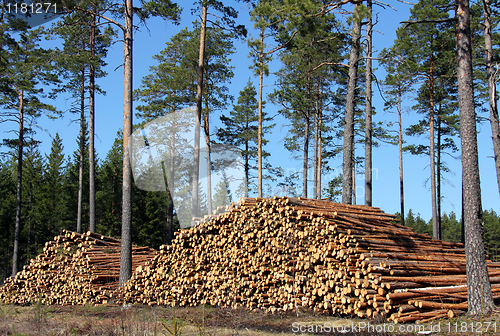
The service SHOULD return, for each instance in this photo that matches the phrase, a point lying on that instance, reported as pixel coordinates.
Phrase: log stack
(276, 254)
(283, 253)
(72, 269)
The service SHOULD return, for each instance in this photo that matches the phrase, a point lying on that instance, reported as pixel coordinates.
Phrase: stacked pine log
(72, 269)
(284, 253)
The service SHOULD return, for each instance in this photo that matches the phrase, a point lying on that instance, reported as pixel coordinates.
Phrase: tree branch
(429, 21)
(328, 63)
(101, 16)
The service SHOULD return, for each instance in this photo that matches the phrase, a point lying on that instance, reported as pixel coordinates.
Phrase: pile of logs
(276, 254)
(73, 269)
(284, 253)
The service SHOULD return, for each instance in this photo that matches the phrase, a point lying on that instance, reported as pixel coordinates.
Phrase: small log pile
(72, 269)
(283, 253)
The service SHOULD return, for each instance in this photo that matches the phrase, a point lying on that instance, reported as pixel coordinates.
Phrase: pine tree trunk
(209, 166)
(320, 157)
(353, 176)
(170, 190)
(259, 135)
(305, 166)
(92, 127)
(247, 158)
(318, 193)
(199, 100)
(306, 156)
(126, 235)
(19, 184)
(438, 173)
(315, 164)
(436, 234)
(400, 143)
(492, 89)
(348, 150)
(480, 298)
(80, 161)
(316, 141)
(368, 109)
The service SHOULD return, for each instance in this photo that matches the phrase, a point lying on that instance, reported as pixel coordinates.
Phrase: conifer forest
(325, 89)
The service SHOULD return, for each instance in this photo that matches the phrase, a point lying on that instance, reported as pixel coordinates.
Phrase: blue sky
(150, 41)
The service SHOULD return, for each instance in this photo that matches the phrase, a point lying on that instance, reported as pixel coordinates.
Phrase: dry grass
(143, 320)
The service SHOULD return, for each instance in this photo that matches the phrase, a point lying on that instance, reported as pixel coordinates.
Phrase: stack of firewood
(284, 253)
(73, 269)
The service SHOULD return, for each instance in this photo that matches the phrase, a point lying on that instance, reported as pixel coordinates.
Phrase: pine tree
(333, 191)
(167, 10)
(492, 88)
(240, 130)
(28, 67)
(368, 108)
(398, 82)
(480, 299)
(266, 17)
(170, 87)
(427, 49)
(229, 16)
(311, 61)
(84, 50)
(348, 149)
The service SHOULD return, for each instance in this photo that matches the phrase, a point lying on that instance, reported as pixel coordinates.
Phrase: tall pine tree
(241, 129)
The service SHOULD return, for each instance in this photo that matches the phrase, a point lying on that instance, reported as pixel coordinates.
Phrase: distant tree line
(452, 229)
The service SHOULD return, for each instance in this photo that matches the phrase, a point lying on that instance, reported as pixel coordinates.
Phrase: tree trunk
(400, 142)
(316, 141)
(480, 298)
(320, 157)
(492, 89)
(462, 219)
(436, 234)
(368, 109)
(259, 136)
(92, 127)
(171, 188)
(438, 173)
(199, 100)
(354, 176)
(80, 161)
(126, 245)
(305, 166)
(349, 115)
(19, 186)
(209, 166)
(306, 156)
(247, 159)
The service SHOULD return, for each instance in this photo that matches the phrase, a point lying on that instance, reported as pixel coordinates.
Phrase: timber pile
(282, 253)
(73, 269)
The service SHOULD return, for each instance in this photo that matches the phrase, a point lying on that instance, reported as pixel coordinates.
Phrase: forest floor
(143, 320)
